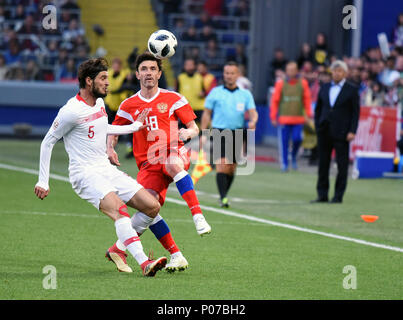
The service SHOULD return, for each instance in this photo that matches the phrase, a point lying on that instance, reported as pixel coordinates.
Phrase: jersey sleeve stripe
(125, 115)
(178, 104)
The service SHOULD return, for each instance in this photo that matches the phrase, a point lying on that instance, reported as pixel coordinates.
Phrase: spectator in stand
(278, 63)
(305, 54)
(213, 56)
(179, 24)
(241, 9)
(62, 57)
(398, 32)
(32, 71)
(3, 68)
(19, 13)
(204, 20)
(52, 53)
(389, 74)
(81, 42)
(191, 52)
(207, 34)
(71, 5)
(321, 52)
(190, 35)
(355, 77)
(15, 73)
(28, 28)
(209, 80)
(214, 7)
(239, 55)
(68, 72)
(374, 96)
(364, 77)
(3, 19)
(170, 6)
(65, 17)
(290, 108)
(81, 54)
(190, 84)
(13, 55)
(73, 31)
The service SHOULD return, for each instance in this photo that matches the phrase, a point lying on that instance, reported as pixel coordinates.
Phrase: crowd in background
(28, 51)
(211, 31)
(379, 78)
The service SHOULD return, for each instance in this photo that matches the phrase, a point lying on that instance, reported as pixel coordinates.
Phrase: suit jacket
(343, 117)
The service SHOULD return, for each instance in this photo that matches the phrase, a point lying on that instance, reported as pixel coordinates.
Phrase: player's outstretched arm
(42, 187)
(127, 129)
(191, 131)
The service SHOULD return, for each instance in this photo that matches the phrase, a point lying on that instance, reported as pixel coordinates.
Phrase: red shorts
(156, 177)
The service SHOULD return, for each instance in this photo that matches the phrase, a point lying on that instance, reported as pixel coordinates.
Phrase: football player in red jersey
(160, 154)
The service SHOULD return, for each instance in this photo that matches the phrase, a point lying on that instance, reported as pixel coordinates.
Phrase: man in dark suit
(336, 121)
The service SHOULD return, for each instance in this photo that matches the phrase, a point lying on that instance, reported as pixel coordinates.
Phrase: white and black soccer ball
(162, 44)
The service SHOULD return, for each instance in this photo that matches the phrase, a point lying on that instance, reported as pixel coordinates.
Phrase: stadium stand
(33, 53)
(213, 31)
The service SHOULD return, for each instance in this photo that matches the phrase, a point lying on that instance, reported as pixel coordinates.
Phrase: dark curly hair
(91, 68)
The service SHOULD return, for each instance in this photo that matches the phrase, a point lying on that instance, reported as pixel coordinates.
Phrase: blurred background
(38, 64)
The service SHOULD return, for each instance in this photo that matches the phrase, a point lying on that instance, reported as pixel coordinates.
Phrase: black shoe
(336, 200)
(319, 200)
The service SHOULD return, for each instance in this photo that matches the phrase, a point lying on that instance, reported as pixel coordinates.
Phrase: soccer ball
(162, 44)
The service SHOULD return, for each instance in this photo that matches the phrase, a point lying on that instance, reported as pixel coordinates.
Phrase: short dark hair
(231, 63)
(146, 56)
(91, 68)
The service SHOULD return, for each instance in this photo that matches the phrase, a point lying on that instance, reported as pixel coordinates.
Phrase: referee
(225, 107)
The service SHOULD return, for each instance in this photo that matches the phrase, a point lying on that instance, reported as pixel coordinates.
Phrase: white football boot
(177, 263)
(202, 227)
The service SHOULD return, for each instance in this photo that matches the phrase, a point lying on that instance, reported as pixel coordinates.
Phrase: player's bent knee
(152, 209)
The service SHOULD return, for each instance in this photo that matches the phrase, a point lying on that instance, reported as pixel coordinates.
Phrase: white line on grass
(239, 215)
(97, 216)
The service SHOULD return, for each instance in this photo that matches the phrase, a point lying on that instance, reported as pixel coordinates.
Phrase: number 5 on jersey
(152, 122)
(91, 132)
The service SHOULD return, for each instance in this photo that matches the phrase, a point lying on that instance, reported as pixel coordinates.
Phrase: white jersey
(83, 129)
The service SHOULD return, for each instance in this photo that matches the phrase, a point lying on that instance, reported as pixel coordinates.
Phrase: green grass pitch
(241, 259)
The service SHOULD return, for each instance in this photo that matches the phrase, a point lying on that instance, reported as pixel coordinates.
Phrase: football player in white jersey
(83, 124)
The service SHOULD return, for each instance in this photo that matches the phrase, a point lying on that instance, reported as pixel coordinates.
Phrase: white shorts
(94, 183)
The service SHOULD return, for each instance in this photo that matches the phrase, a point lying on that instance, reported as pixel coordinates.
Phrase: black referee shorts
(227, 143)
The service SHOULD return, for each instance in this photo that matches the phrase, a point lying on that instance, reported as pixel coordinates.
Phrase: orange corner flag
(201, 168)
(369, 218)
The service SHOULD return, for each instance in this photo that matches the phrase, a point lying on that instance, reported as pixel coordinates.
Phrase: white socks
(139, 222)
(129, 238)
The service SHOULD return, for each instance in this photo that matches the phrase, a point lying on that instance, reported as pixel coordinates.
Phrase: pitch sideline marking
(98, 216)
(238, 215)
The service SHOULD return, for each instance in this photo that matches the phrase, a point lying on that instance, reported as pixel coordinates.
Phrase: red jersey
(155, 142)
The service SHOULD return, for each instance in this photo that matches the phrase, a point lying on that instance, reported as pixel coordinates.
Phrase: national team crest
(162, 107)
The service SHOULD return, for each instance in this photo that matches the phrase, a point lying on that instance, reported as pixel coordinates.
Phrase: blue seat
(228, 38)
